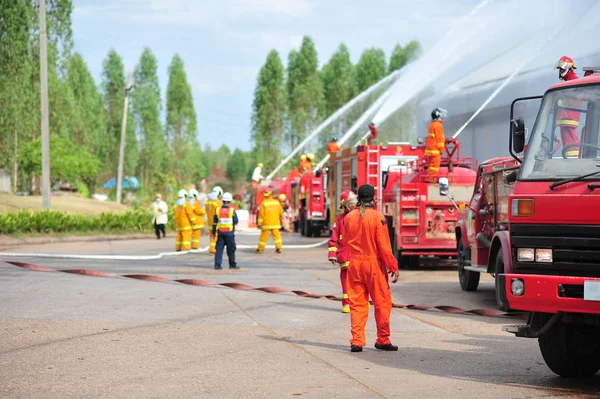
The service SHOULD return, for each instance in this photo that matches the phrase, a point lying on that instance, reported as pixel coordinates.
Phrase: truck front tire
(572, 350)
(469, 280)
(499, 269)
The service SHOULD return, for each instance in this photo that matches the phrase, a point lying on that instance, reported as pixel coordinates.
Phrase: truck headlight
(525, 255)
(517, 287)
(543, 255)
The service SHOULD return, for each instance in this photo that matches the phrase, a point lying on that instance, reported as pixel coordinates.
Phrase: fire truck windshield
(565, 140)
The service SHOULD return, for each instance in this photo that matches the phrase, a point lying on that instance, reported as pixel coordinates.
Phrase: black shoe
(388, 347)
(355, 348)
(218, 267)
(236, 267)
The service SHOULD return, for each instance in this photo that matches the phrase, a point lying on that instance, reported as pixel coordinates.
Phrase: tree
(403, 55)
(304, 91)
(223, 155)
(338, 85)
(370, 69)
(237, 166)
(146, 108)
(268, 110)
(181, 121)
(113, 85)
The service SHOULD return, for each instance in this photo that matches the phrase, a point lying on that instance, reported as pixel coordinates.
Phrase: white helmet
(193, 193)
(182, 193)
(218, 190)
(227, 197)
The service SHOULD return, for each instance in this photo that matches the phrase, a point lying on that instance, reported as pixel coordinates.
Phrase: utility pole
(44, 108)
(123, 134)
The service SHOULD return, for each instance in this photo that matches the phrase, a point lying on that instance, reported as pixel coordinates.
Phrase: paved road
(65, 335)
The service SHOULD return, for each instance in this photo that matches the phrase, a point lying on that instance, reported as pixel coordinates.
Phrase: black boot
(234, 267)
(355, 348)
(218, 267)
(388, 347)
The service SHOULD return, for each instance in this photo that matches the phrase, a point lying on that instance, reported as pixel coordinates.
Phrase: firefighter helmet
(267, 192)
(334, 139)
(564, 65)
(347, 197)
(227, 197)
(302, 157)
(310, 156)
(260, 165)
(282, 197)
(438, 113)
(182, 193)
(193, 193)
(218, 190)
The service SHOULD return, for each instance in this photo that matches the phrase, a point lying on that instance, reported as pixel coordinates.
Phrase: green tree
(113, 86)
(223, 155)
(181, 122)
(370, 69)
(237, 166)
(338, 84)
(268, 110)
(403, 55)
(304, 91)
(146, 108)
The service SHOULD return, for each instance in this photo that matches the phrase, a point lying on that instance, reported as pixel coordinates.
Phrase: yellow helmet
(282, 197)
(260, 165)
(302, 157)
(311, 156)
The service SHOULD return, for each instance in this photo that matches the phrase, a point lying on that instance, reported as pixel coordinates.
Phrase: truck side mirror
(443, 186)
(517, 130)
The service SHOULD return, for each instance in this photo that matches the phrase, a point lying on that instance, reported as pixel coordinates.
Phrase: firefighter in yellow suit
(269, 220)
(184, 219)
(199, 213)
(212, 204)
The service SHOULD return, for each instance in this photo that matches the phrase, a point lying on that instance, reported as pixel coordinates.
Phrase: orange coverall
(333, 147)
(184, 218)
(211, 207)
(338, 251)
(197, 226)
(368, 239)
(435, 145)
(269, 220)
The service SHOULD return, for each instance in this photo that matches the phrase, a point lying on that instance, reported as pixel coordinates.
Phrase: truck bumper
(549, 294)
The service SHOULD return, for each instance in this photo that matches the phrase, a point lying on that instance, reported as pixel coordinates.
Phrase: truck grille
(575, 248)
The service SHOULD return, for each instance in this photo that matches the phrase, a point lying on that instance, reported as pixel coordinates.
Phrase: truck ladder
(373, 171)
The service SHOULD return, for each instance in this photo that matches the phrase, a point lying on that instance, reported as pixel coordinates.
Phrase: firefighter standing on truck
(435, 144)
(568, 120)
(365, 233)
(184, 219)
(212, 204)
(199, 213)
(338, 252)
(269, 221)
(224, 222)
(333, 146)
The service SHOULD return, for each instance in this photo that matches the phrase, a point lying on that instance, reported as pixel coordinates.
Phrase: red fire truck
(308, 203)
(421, 221)
(548, 261)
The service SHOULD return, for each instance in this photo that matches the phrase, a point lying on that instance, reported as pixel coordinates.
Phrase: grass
(68, 203)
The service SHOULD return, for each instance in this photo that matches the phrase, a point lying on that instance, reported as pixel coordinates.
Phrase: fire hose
(269, 290)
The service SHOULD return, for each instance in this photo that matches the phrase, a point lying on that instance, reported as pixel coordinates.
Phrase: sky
(224, 43)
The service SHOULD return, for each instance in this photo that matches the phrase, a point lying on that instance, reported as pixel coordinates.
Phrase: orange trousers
(182, 242)
(433, 168)
(366, 278)
(344, 279)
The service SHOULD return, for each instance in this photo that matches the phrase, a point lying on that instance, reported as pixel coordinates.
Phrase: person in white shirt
(256, 175)
(159, 216)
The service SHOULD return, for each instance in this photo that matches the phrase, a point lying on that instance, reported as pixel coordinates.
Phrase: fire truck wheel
(296, 226)
(572, 350)
(499, 269)
(316, 232)
(411, 262)
(469, 280)
(307, 229)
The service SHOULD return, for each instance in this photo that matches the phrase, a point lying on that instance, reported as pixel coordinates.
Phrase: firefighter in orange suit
(269, 221)
(568, 120)
(199, 213)
(211, 205)
(339, 253)
(333, 146)
(365, 233)
(184, 219)
(435, 144)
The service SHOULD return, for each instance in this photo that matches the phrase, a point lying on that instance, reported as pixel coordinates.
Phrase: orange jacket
(199, 213)
(333, 147)
(368, 238)
(184, 214)
(305, 165)
(435, 143)
(269, 216)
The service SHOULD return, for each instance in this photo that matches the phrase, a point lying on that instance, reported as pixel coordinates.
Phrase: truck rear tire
(316, 231)
(469, 280)
(412, 262)
(307, 228)
(499, 269)
(572, 350)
